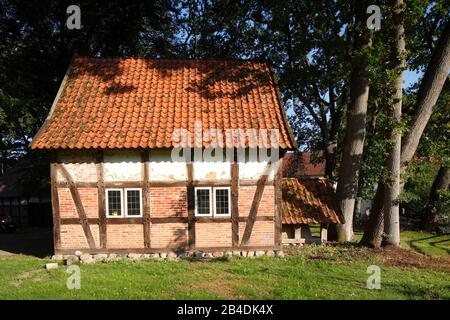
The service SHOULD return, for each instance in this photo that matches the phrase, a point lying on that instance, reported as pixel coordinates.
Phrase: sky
(410, 77)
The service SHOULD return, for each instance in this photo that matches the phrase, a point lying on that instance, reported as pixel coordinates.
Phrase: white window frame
(210, 202)
(125, 196)
(122, 212)
(229, 202)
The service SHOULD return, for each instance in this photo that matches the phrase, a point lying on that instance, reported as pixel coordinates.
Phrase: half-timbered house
(153, 155)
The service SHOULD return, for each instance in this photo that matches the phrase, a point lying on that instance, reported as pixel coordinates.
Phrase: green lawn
(422, 242)
(312, 272)
(426, 243)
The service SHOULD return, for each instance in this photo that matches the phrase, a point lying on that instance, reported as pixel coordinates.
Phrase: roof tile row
(140, 103)
(309, 201)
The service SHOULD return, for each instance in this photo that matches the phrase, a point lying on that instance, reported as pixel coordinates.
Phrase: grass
(421, 242)
(312, 272)
(418, 241)
(426, 243)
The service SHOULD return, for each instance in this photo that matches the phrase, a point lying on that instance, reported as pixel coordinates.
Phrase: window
(212, 201)
(114, 202)
(123, 203)
(203, 202)
(134, 202)
(222, 201)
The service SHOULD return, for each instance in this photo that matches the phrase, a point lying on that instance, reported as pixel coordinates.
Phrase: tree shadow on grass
(414, 244)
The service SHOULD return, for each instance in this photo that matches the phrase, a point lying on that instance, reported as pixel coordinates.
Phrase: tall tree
(429, 91)
(321, 86)
(356, 122)
(392, 188)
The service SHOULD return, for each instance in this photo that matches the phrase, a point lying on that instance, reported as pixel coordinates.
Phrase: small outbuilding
(308, 201)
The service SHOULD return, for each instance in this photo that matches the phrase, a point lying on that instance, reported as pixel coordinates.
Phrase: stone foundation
(86, 258)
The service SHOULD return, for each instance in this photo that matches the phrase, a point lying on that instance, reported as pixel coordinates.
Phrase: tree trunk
(429, 91)
(333, 135)
(356, 125)
(374, 226)
(330, 159)
(431, 218)
(392, 188)
(330, 165)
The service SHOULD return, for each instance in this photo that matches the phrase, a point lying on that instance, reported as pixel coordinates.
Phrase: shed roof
(309, 201)
(139, 103)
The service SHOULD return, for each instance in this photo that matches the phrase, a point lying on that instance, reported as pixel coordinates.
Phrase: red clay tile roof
(139, 102)
(296, 165)
(309, 201)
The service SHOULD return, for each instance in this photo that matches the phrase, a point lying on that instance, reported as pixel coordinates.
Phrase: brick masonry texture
(213, 235)
(262, 235)
(125, 236)
(266, 205)
(163, 235)
(168, 202)
(72, 236)
(88, 198)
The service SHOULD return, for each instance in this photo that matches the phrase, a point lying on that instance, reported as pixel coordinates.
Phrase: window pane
(203, 205)
(222, 201)
(133, 202)
(114, 203)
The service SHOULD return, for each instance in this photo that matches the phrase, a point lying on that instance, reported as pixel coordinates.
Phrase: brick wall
(213, 235)
(163, 235)
(88, 198)
(266, 205)
(72, 236)
(168, 202)
(125, 236)
(262, 234)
